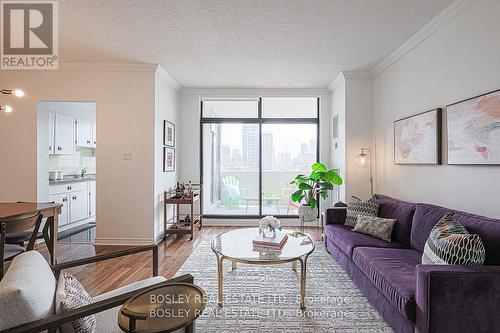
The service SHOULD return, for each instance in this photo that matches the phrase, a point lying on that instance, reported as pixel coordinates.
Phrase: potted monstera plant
(310, 188)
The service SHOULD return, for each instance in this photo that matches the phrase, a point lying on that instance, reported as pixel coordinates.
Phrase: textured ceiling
(265, 44)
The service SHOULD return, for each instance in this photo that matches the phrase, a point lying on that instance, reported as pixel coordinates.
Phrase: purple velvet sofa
(410, 296)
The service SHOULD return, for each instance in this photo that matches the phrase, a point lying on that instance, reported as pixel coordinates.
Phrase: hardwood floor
(108, 275)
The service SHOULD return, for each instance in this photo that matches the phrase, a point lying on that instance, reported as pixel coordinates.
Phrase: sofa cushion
(357, 206)
(451, 244)
(392, 271)
(390, 208)
(344, 238)
(375, 226)
(106, 320)
(27, 290)
(130, 287)
(426, 216)
(71, 295)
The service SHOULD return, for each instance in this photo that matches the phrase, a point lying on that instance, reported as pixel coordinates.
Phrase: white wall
(460, 60)
(189, 120)
(352, 100)
(126, 113)
(337, 155)
(359, 134)
(166, 106)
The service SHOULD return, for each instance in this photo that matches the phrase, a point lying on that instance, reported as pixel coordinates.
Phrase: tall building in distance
(250, 156)
(268, 152)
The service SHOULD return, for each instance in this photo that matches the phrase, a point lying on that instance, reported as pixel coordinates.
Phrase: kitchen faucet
(84, 171)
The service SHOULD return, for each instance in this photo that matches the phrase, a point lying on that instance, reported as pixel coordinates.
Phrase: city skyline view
(284, 146)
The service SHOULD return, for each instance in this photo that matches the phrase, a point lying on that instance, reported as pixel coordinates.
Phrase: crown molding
(347, 75)
(171, 81)
(430, 28)
(252, 92)
(336, 82)
(119, 67)
(357, 75)
(106, 67)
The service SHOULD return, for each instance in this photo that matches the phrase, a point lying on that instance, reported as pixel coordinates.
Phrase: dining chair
(20, 238)
(19, 223)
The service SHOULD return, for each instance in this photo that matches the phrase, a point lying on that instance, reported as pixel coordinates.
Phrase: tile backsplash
(73, 164)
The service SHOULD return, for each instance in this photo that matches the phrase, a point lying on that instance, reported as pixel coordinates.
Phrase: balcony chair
(232, 187)
(27, 294)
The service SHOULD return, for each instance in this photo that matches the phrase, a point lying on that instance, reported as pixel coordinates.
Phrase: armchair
(31, 278)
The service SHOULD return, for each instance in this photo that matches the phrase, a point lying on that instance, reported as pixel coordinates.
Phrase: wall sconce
(15, 92)
(363, 160)
(11, 92)
(6, 108)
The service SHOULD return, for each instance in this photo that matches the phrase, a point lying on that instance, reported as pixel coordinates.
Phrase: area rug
(266, 298)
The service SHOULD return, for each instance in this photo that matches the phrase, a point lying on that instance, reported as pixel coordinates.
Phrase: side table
(164, 308)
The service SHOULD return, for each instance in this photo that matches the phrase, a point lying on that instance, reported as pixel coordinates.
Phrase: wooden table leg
(54, 221)
(189, 328)
(192, 220)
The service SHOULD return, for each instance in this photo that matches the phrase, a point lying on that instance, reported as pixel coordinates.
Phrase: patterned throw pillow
(356, 206)
(449, 243)
(72, 295)
(375, 226)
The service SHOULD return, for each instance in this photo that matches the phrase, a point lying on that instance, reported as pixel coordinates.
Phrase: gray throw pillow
(449, 243)
(356, 206)
(375, 226)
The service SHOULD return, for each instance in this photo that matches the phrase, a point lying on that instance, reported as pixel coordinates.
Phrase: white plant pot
(308, 214)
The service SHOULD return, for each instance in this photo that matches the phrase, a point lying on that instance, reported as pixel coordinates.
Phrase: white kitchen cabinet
(79, 205)
(94, 136)
(84, 133)
(92, 198)
(64, 131)
(62, 198)
(52, 120)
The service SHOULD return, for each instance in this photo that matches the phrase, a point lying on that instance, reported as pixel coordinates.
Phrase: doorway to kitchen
(67, 145)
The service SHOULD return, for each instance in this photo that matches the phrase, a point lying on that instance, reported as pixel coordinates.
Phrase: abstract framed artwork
(168, 134)
(473, 130)
(168, 159)
(417, 139)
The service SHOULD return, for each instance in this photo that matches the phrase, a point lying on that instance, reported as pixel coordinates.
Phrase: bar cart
(183, 225)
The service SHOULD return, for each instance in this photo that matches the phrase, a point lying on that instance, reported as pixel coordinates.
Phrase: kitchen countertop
(72, 180)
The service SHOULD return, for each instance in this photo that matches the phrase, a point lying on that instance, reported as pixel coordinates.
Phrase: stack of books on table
(276, 243)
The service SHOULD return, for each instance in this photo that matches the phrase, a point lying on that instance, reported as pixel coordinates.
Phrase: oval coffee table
(236, 246)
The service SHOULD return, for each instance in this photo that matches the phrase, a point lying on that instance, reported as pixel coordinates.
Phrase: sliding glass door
(251, 149)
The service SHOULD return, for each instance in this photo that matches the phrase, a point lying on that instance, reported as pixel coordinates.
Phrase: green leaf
(312, 202)
(324, 194)
(297, 195)
(318, 167)
(326, 185)
(299, 178)
(315, 175)
(305, 186)
(333, 177)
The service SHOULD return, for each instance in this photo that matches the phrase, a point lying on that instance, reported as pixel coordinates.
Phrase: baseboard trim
(124, 241)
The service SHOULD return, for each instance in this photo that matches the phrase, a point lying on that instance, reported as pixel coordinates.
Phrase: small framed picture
(168, 159)
(168, 134)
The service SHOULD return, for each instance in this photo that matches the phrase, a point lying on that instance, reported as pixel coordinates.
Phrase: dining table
(50, 211)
